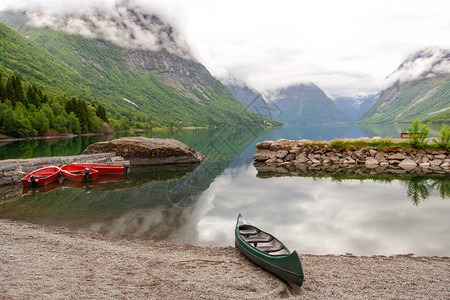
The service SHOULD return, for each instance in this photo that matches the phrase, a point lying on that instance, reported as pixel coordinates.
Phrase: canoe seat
(269, 249)
(258, 239)
(250, 231)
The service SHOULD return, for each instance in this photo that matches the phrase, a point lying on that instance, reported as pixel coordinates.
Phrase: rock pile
(306, 154)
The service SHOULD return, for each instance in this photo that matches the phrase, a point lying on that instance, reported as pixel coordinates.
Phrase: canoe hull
(42, 176)
(286, 266)
(78, 173)
(105, 169)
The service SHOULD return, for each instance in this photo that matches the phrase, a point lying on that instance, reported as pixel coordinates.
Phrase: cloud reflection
(321, 216)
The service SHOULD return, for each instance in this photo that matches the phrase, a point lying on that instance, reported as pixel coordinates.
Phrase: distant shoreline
(58, 136)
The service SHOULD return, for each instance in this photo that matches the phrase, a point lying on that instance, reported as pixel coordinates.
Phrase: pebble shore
(58, 263)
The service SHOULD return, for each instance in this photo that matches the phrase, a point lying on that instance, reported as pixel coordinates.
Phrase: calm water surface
(199, 204)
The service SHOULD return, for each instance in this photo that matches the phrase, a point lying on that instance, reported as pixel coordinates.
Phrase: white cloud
(345, 47)
(429, 62)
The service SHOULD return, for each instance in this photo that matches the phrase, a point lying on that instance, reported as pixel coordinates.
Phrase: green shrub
(418, 133)
(443, 139)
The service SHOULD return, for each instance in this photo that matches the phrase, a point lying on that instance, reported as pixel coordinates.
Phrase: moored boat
(106, 169)
(79, 173)
(268, 252)
(41, 176)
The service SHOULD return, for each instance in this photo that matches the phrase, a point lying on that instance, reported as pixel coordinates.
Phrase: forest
(29, 111)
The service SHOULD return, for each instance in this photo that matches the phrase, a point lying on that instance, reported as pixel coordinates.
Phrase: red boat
(79, 173)
(41, 176)
(106, 169)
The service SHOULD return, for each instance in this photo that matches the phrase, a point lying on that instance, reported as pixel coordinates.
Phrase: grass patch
(382, 144)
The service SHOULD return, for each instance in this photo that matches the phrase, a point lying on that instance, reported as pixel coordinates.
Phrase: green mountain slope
(420, 98)
(34, 64)
(134, 85)
(420, 89)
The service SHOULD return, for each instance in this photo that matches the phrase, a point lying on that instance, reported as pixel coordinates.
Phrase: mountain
(251, 98)
(304, 104)
(158, 83)
(356, 106)
(419, 88)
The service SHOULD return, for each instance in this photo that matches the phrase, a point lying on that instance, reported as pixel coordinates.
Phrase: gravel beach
(58, 263)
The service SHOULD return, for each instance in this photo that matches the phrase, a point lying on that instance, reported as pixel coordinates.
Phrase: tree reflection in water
(420, 188)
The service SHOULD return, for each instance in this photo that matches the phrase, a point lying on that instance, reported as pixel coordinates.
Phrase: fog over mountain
(127, 23)
(346, 48)
(419, 88)
(428, 62)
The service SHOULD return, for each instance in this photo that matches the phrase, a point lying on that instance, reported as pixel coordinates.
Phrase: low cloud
(128, 24)
(429, 62)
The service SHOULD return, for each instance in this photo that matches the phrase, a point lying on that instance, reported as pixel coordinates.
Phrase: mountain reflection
(152, 203)
(317, 213)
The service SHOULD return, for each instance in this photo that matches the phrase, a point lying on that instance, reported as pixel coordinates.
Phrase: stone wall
(308, 154)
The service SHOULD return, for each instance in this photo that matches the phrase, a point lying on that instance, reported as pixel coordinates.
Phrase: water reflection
(323, 215)
(49, 147)
(199, 204)
(419, 187)
(154, 203)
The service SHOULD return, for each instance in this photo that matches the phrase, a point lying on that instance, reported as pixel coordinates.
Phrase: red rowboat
(106, 169)
(41, 176)
(79, 173)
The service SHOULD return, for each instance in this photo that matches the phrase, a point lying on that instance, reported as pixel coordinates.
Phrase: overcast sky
(345, 47)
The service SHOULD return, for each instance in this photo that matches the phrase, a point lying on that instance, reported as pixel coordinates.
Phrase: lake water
(199, 204)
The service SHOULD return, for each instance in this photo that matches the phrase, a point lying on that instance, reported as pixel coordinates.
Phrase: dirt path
(57, 263)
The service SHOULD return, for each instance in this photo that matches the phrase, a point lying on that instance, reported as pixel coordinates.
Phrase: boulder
(142, 151)
(372, 162)
(275, 146)
(396, 156)
(408, 164)
(301, 159)
(436, 162)
(380, 157)
(263, 155)
(289, 157)
(282, 154)
(264, 145)
(106, 129)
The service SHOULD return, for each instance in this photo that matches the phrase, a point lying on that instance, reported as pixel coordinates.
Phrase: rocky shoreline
(290, 155)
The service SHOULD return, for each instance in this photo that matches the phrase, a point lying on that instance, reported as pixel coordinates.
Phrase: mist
(128, 24)
(347, 48)
(429, 62)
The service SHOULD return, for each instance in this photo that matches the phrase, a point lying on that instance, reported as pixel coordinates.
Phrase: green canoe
(268, 252)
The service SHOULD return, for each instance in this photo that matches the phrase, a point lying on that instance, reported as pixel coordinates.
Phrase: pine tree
(10, 91)
(101, 113)
(2, 90)
(32, 96)
(18, 90)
